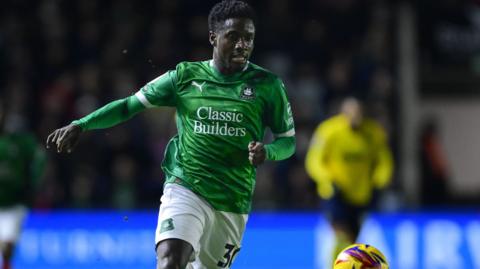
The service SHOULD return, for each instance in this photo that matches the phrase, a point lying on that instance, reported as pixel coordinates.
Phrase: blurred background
(416, 63)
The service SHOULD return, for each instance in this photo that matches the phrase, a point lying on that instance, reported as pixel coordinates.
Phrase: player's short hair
(228, 9)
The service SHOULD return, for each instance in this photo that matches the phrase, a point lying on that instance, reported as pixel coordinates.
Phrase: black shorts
(340, 212)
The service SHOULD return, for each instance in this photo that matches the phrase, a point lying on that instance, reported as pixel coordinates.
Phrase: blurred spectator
(81, 187)
(434, 166)
(124, 193)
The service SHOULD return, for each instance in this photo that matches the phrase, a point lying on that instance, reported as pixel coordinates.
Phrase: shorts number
(229, 256)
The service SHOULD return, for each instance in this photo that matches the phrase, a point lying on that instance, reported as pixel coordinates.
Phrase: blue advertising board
(120, 240)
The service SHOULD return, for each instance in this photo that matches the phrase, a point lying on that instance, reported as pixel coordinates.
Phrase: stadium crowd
(60, 60)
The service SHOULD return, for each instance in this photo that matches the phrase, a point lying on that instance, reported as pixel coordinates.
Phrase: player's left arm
(280, 120)
(281, 148)
(383, 170)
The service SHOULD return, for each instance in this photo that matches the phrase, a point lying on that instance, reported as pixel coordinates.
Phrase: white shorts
(11, 221)
(215, 236)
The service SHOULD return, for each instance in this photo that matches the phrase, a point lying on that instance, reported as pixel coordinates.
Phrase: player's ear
(212, 37)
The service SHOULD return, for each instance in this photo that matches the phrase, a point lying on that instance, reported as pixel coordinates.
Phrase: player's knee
(169, 262)
(173, 254)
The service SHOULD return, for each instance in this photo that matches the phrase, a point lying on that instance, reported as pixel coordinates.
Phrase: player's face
(353, 110)
(233, 44)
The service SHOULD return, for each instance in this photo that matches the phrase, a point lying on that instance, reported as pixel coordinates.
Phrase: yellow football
(360, 256)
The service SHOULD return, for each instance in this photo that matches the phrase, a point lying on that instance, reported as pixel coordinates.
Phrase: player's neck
(223, 70)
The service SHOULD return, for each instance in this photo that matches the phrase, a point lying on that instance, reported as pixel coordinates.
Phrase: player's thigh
(343, 216)
(180, 217)
(222, 241)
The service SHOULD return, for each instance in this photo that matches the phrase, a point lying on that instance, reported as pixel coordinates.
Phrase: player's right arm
(316, 163)
(107, 116)
(158, 92)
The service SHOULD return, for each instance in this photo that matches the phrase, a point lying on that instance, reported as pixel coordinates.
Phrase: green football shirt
(217, 116)
(21, 165)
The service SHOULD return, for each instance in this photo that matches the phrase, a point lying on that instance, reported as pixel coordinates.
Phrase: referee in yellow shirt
(349, 159)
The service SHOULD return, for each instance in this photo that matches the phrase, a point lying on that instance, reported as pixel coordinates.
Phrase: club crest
(167, 225)
(248, 93)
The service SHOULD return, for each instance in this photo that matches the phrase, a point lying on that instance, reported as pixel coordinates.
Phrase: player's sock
(342, 241)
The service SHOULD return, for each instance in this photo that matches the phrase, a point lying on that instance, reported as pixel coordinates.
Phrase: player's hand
(256, 153)
(66, 138)
(326, 190)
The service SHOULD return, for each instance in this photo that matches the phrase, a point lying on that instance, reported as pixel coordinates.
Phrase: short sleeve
(159, 92)
(280, 118)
